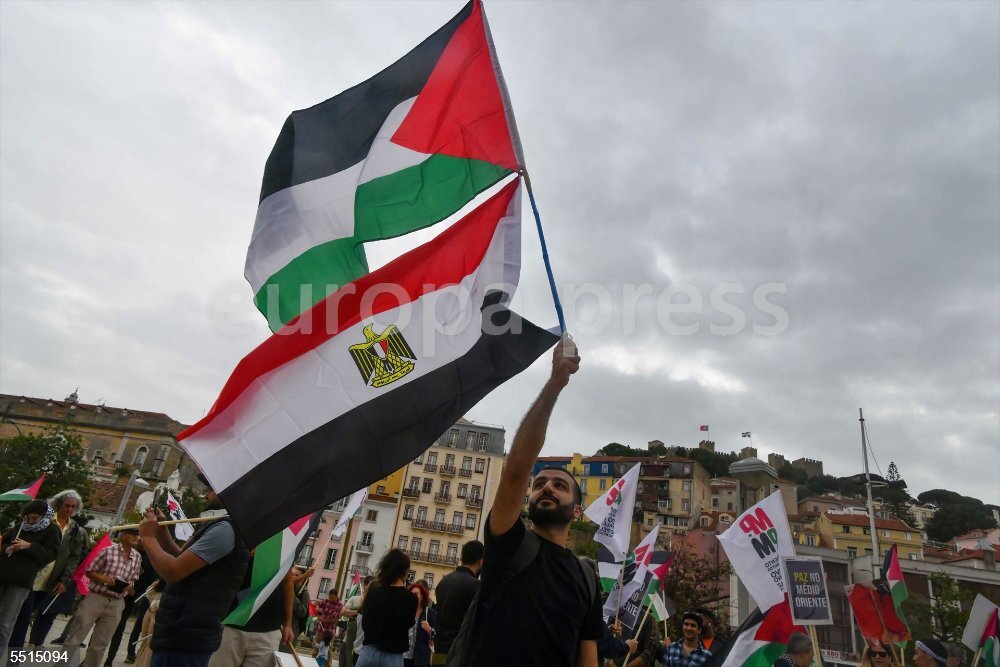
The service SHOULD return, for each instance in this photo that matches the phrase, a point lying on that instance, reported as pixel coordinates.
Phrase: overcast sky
(845, 154)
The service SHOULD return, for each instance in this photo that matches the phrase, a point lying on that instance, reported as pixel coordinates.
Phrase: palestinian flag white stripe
(271, 561)
(291, 221)
(302, 396)
(760, 639)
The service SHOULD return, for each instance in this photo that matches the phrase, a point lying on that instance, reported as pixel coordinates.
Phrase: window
(480, 465)
(868, 552)
(324, 585)
(372, 515)
(98, 456)
(457, 519)
(604, 484)
(641, 487)
(811, 540)
(852, 552)
(445, 488)
(417, 544)
(419, 459)
(476, 491)
(411, 576)
(432, 458)
(846, 529)
(367, 537)
(434, 548)
(331, 557)
(685, 505)
(484, 440)
(439, 516)
(428, 483)
(361, 561)
(449, 460)
(470, 521)
(686, 486)
(429, 578)
(705, 520)
(163, 453)
(140, 457)
(912, 556)
(583, 486)
(470, 440)
(885, 533)
(380, 490)
(908, 536)
(866, 530)
(414, 483)
(687, 468)
(453, 438)
(715, 503)
(604, 468)
(463, 490)
(404, 541)
(453, 550)
(306, 554)
(466, 463)
(422, 514)
(408, 512)
(158, 467)
(729, 506)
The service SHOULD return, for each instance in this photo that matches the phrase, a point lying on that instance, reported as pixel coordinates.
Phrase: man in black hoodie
(202, 579)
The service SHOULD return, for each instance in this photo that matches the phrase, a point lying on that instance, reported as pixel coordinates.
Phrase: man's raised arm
(529, 439)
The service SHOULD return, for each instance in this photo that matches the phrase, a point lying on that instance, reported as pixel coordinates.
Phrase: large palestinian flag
(314, 414)
(760, 639)
(989, 645)
(403, 150)
(271, 561)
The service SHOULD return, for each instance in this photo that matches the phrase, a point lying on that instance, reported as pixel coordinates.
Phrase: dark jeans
(180, 659)
(34, 605)
(116, 639)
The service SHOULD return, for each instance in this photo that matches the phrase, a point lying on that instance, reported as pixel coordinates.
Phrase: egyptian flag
(760, 640)
(23, 493)
(271, 561)
(399, 152)
(402, 353)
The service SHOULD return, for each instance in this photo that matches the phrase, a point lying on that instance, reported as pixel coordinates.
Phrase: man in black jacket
(454, 595)
(202, 579)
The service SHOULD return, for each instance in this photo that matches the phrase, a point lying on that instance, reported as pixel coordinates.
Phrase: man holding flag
(202, 580)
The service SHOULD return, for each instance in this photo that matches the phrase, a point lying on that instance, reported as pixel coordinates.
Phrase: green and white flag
(612, 513)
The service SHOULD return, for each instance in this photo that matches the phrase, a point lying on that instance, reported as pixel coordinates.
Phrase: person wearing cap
(930, 653)
(202, 578)
(711, 643)
(688, 651)
(26, 548)
(112, 577)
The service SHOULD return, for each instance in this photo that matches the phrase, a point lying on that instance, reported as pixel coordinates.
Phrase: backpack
(458, 654)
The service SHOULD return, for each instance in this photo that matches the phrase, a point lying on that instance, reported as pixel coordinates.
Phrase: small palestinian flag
(271, 561)
(892, 573)
(399, 152)
(24, 493)
(989, 645)
(759, 641)
(355, 588)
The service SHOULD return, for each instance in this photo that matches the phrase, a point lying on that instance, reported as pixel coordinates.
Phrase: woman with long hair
(878, 655)
(388, 613)
(424, 628)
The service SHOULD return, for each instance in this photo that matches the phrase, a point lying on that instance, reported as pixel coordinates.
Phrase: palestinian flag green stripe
(386, 207)
(765, 655)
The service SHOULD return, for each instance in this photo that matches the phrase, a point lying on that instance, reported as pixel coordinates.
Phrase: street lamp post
(133, 481)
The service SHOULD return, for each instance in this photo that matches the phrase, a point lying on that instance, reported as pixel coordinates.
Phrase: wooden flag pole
(815, 643)
(56, 597)
(663, 596)
(621, 585)
(975, 660)
(295, 653)
(172, 522)
(638, 632)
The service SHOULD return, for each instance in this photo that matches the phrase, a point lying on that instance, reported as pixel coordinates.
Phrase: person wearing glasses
(878, 655)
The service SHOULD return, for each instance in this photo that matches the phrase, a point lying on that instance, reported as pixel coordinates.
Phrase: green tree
(57, 452)
(793, 474)
(957, 519)
(943, 618)
(940, 497)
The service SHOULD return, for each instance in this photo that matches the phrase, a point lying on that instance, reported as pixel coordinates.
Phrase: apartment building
(674, 491)
(447, 492)
(851, 533)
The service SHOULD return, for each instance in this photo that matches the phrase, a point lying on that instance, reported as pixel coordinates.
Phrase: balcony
(411, 493)
(439, 526)
(363, 547)
(442, 497)
(465, 472)
(474, 502)
(430, 467)
(363, 570)
(447, 470)
(437, 559)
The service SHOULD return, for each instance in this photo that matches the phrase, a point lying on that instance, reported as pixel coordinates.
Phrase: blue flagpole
(545, 253)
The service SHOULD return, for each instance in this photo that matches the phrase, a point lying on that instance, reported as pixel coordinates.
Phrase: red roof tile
(862, 520)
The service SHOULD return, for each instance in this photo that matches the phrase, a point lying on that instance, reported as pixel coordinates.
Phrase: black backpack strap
(591, 580)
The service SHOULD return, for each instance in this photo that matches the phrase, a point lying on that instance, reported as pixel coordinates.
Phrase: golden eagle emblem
(383, 358)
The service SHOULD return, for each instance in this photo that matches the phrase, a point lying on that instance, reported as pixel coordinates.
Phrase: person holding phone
(112, 577)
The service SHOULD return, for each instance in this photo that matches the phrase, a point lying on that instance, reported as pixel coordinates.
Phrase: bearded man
(547, 613)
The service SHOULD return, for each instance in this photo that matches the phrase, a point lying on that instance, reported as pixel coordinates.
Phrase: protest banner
(807, 594)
